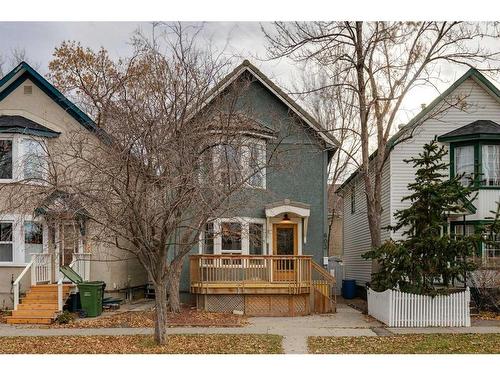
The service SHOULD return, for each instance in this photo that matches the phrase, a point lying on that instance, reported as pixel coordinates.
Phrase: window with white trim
(464, 164)
(33, 239)
(231, 239)
(34, 159)
(490, 155)
(256, 238)
(208, 238)
(256, 165)
(5, 159)
(234, 236)
(6, 242)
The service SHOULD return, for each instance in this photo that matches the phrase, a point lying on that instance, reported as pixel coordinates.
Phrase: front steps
(39, 306)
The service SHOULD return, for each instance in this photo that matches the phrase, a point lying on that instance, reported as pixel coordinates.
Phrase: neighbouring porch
(270, 285)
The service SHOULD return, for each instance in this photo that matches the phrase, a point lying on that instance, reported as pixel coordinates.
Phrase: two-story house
(262, 258)
(466, 119)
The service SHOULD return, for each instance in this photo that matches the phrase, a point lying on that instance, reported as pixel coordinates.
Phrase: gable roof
(22, 125)
(472, 73)
(24, 71)
(474, 130)
(246, 66)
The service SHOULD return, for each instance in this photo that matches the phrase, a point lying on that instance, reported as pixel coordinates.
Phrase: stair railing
(17, 282)
(41, 271)
(321, 277)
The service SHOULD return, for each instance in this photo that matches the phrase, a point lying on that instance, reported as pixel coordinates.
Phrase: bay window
(238, 163)
(241, 235)
(490, 155)
(464, 164)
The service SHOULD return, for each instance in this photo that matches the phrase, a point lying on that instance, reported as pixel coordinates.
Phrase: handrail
(250, 269)
(328, 277)
(18, 281)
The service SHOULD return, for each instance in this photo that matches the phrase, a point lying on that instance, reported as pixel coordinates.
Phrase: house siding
(119, 275)
(356, 235)
(483, 106)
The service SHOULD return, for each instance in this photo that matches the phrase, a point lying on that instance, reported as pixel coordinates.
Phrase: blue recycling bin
(349, 289)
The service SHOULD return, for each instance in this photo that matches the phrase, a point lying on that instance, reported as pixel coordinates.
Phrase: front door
(69, 243)
(285, 243)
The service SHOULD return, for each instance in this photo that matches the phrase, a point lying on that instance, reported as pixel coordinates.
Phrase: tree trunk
(161, 313)
(174, 277)
(173, 290)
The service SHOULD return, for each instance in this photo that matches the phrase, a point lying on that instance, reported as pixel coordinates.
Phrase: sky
(243, 39)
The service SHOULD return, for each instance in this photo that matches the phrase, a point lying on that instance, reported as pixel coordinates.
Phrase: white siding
(481, 106)
(356, 229)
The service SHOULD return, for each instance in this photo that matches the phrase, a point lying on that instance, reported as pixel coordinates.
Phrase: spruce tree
(428, 254)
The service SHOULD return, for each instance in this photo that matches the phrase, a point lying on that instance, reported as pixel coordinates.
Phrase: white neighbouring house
(471, 134)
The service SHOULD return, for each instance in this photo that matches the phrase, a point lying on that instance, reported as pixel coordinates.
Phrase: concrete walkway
(346, 322)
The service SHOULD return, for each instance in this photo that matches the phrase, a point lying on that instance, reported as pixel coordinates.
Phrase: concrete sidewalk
(346, 322)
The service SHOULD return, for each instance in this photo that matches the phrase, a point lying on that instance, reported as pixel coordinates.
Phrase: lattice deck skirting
(256, 305)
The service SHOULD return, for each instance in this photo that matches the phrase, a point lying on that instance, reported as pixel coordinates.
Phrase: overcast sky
(243, 39)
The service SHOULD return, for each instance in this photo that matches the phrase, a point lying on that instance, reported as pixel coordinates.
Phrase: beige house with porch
(34, 118)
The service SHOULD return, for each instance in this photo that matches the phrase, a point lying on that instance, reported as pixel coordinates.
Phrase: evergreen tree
(428, 253)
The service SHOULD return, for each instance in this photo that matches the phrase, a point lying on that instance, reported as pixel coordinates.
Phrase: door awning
(286, 206)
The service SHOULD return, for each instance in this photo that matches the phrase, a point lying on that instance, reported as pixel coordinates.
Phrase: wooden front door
(285, 242)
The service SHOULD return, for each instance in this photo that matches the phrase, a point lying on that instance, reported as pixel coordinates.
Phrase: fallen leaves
(145, 319)
(407, 344)
(142, 344)
(488, 315)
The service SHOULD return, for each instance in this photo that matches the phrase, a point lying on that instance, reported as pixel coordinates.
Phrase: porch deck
(227, 281)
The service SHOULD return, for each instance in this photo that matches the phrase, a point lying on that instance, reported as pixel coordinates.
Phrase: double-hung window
(5, 159)
(231, 237)
(255, 238)
(490, 155)
(464, 164)
(33, 239)
(34, 163)
(256, 162)
(229, 164)
(6, 242)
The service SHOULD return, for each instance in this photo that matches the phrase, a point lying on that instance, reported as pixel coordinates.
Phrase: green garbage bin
(91, 297)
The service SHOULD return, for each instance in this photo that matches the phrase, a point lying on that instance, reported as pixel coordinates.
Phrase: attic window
(28, 90)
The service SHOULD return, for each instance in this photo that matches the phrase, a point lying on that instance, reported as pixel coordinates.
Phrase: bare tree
(380, 63)
(333, 107)
(10, 61)
(164, 159)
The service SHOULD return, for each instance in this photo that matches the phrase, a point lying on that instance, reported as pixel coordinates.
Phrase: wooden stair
(39, 306)
(323, 296)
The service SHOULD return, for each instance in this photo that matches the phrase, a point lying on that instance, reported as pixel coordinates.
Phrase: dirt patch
(145, 319)
(139, 344)
(3, 316)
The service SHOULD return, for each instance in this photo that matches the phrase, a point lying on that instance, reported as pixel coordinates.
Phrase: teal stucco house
(266, 257)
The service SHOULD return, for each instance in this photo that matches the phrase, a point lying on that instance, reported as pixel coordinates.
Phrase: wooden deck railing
(248, 269)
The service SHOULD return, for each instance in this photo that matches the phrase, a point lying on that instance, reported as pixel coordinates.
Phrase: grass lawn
(142, 344)
(407, 344)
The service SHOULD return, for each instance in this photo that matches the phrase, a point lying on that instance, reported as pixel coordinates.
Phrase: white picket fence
(398, 309)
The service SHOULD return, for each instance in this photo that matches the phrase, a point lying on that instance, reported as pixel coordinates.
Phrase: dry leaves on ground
(144, 319)
(407, 344)
(488, 315)
(138, 344)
